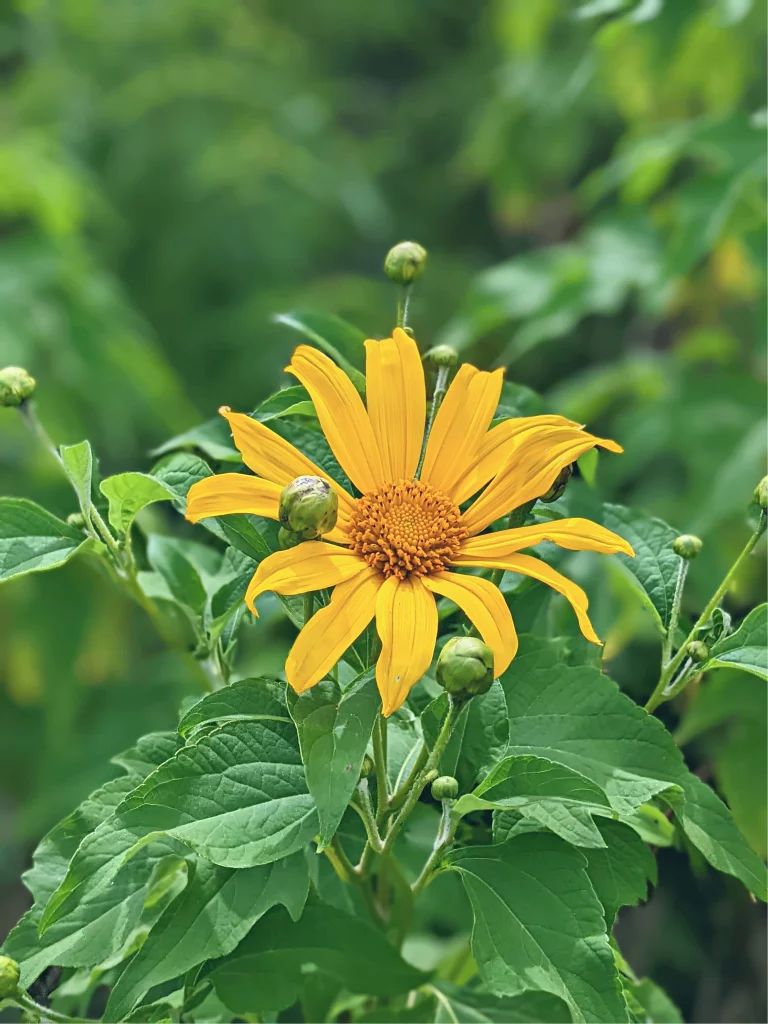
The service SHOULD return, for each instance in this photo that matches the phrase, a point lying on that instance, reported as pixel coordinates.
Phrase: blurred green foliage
(589, 179)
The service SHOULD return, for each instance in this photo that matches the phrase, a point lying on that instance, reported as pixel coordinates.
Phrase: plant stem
(403, 301)
(443, 840)
(665, 688)
(348, 874)
(441, 387)
(309, 602)
(44, 1013)
(365, 809)
(398, 798)
(669, 639)
(380, 767)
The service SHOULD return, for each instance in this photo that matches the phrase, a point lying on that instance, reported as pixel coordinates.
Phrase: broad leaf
(178, 472)
(548, 793)
(654, 569)
(128, 494)
(32, 540)
(486, 732)
(173, 559)
(650, 1004)
(148, 753)
(78, 463)
(213, 438)
(266, 971)
(237, 795)
(314, 445)
(539, 925)
(252, 699)
(747, 648)
(293, 401)
(334, 731)
(208, 920)
(470, 1006)
(621, 871)
(340, 340)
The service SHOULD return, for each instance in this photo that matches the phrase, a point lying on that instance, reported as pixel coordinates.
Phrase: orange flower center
(406, 528)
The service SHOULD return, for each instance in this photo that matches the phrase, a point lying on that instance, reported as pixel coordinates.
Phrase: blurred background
(589, 180)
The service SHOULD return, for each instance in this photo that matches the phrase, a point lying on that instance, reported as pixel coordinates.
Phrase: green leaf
(539, 925)
(251, 699)
(245, 533)
(216, 910)
(654, 569)
(266, 971)
(340, 340)
(213, 438)
(551, 794)
(656, 1006)
(32, 540)
(621, 871)
(149, 752)
(170, 557)
(334, 731)
(314, 445)
(78, 463)
(178, 472)
(469, 1006)
(237, 795)
(128, 493)
(293, 401)
(747, 648)
(486, 733)
(723, 697)
(740, 766)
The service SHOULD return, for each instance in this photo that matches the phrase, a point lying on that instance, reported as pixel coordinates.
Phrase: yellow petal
(460, 427)
(309, 566)
(498, 445)
(268, 455)
(530, 472)
(406, 621)
(573, 534)
(342, 416)
(538, 570)
(397, 403)
(485, 607)
(229, 493)
(331, 630)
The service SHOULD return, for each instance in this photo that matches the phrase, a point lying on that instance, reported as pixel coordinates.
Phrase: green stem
(44, 1013)
(403, 301)
(348, 874)
(669, 639)
(441, 387)
(309, 603)
(380, 767)
(398, 799)
(364, 808)
(665, 688)
(443, 840)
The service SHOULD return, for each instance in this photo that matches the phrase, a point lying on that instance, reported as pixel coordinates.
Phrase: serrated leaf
(548, 793)
(251, 699)
(213, 438)
(207, 921)
(170, 557)
(237, 795)
(340, 340)
(266, 970)
(78, 463)
(334, 730)
(33, 540)
(654, 569)
(539, 925)
(128, 494)
(747, 648)
(178, 473)
(453, 1004)
(148, 753)
(621, 871)
(314, 445)
(486, 733)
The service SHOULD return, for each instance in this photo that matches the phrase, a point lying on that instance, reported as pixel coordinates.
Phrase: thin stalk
(380, 767)
(682, 573)
(443, 840)
(364, 808)
(663, 691)
(45, 1013)
(309, 603)
(403, 302)
(441, 387)
(398, 799)
(348, 874)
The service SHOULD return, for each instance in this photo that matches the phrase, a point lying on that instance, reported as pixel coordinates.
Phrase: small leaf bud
(442, 356)
(445, 788)
(16, 386)
(431, 775)
(76, 519)
(558, 487)
(309, 507)
(465, 667)
(366, 767)
(9, 978)
(405, 262)
(687, 546)
(698, 651)
(761, 493)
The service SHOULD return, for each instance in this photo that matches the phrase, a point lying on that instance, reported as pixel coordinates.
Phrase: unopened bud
(698, 651)
(442, 356)
(405, 262)
(76, 519)
(309, 507)
(9, 978)
(445, 788)
(16, 386)
(761, 493)
(366, 767)
(687, 546)
(465, 667)
(558, 487)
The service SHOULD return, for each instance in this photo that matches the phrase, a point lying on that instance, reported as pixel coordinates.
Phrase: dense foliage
(589, 181)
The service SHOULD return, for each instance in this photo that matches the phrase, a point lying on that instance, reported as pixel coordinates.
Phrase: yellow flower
(392, 549)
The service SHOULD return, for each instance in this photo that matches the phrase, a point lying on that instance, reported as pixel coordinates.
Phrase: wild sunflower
(393, 546)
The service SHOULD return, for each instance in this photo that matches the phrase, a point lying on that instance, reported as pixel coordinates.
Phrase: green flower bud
(557, 488)
(76, 519)
(698, 651)
(465, 667)
(442, 356)
(367, 767)
(405, 262)
(761, 493)
(309, 507)
(687, 546)
(9, 978)
(445, 788)
(16, 386)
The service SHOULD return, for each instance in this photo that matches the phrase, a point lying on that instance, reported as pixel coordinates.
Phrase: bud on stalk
(442, 356)
(9, 978)
(309, 508)
(687, 546)
(558, 487)
(16, 386)
(698, 652)
(405, 262)
(445, 788)
(465, 667)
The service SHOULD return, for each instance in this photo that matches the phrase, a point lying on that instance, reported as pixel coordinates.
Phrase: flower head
(399, 540)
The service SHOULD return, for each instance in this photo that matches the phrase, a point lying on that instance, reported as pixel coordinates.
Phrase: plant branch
(669, 639)
(441, 387)
(44, 1013)
(443, 840)
(380, 767)
(364, 808)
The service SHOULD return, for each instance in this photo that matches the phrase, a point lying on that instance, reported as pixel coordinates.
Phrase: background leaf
(32, 540)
